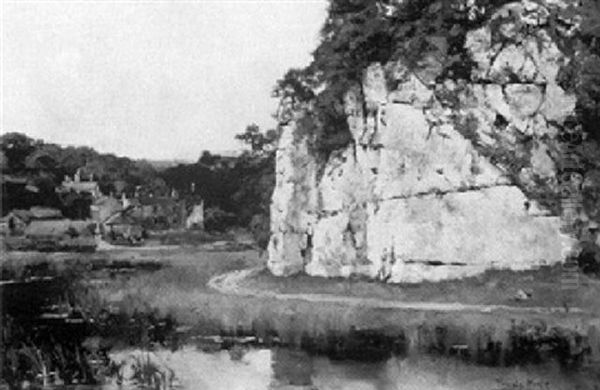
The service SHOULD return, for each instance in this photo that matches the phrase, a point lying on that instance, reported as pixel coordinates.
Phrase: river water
(281, 368)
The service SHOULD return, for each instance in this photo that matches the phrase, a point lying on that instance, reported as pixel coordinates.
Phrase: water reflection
(286, 369)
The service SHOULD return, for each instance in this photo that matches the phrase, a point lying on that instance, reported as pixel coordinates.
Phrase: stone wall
(445, 177)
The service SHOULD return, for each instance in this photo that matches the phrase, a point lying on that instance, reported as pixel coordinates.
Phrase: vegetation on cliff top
(357, 33)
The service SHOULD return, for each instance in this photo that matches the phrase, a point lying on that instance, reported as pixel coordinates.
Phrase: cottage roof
(14, 179)
(35, 213)
(133, 202)
(163, 201)
(81, 186)
(121, 218)
(24, 215)
(105, 201)
(45, 213)
(57, 227)
(22, 182)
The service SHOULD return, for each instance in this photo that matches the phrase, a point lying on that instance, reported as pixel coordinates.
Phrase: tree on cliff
(259, 142)
(256, 171)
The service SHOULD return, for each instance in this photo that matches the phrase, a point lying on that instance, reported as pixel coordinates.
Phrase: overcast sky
(158, 79)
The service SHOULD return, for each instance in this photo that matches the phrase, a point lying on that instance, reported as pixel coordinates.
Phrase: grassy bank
(494, 287)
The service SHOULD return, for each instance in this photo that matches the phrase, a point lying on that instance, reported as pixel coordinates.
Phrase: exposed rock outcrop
(445, 177)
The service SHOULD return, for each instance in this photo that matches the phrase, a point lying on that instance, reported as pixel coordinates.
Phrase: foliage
(259, 142)
(261, 230)
(256, 170)
(47, 164)
(208, 159)
(589, 259)
(210, 179)
(16, 148)
(581, 76)
(216, 219)
(357, 33)
(234, 190)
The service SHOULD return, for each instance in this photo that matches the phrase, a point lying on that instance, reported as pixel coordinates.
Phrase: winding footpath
(232, 284)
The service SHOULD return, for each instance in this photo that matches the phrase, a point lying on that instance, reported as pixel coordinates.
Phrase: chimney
(124, 200)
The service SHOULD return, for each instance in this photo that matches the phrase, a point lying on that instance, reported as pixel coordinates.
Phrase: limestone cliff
(444, 176)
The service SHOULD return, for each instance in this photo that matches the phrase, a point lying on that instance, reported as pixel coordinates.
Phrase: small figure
(306, 252)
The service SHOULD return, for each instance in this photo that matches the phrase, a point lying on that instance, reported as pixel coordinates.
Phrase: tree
(41, 160)
(260, 143)
(207, 158)
(16, 147)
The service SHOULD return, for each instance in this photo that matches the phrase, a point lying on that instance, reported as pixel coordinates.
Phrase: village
(112, 220)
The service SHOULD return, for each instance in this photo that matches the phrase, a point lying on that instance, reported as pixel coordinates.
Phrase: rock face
(443, 177)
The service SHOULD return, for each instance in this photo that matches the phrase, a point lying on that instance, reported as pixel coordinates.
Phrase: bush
(216, 219)
(589, 259)
(261, 230)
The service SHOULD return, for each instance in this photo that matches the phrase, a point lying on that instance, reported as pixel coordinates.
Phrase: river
(279, 368)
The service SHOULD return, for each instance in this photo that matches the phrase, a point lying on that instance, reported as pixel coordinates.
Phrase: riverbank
(441, 322)
(512, 290)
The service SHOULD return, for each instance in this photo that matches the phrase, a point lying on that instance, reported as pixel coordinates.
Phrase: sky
(149, 79)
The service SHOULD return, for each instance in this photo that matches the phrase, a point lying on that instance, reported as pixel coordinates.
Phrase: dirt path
(232, 284)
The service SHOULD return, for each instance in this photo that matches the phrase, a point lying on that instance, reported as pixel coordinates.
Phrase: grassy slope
(495, 287)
